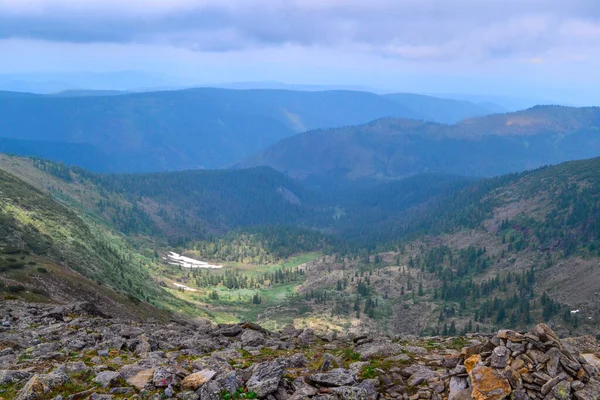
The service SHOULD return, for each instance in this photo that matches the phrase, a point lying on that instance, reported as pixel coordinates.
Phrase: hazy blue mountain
(58, 82)
(187, 129)
(394, 148)
(438, 109)
(81, 154)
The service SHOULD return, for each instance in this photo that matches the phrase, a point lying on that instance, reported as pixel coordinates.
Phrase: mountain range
(194, 128)
(396, 148)
(397, 225)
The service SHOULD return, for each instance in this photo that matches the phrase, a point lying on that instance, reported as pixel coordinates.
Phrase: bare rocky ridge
(77, 352)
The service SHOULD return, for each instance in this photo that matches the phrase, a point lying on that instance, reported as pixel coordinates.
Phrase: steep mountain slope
(186, 129)
(48, 253)
(486, 146)
(512, 251)
(173, 206)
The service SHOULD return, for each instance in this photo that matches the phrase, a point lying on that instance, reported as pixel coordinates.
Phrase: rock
(500, 356)
(74, 368)
(33, 389)
(10, 376)
(297, 360)
(163, 377)
(265, 378)
(488, 384)
(169, 392)
(229, 331)
(465, 394)
(197, 379)
(591, 391)
(350, 393)
(330, 362)
(290, 331)
(107, 378)
(335, 377)
(252, 338)
(305, 392)
(209, 391)
(99, 396)
(307, 336)
(122, 390)
(420, 375)
(373, 350)
(509, 335)
(472, 362)
(413, 350)
(451, 360)
(562, 390)
(141, 378)
(553, 363)
(54, 379)
(103, 353)
(456, 386)
(592, 359)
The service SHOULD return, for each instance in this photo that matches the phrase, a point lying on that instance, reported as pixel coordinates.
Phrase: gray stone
(553, 363)
(54, 379)
(107, 378)
(307, 336)
(350, 393)
(373, 350)
(330, 362)
(10, 376)
(500, 356)
(457, 385)
(252, 338)
(562, 390)
(265, 378)
(122, 390)
(336, 377)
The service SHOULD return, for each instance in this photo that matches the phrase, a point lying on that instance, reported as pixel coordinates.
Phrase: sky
(547, 49)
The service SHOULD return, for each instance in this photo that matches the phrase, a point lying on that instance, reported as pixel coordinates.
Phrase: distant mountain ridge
(395, 148)
(203, 128)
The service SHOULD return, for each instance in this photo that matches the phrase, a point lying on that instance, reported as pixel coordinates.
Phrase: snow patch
(179, 285)
(186, 262)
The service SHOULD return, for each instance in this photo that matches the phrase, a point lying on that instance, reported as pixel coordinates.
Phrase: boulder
(107, 378)
(33, 389)
(197, 379)
(336, 377)
(382, 349)
(488, 384)
(265, 378)
(252, 338)
(13, 376)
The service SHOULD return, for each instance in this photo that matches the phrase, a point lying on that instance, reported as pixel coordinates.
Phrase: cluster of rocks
(46, 353)
(75, 352)
(533, 365)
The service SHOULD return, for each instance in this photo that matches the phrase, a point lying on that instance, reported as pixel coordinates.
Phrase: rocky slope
(77, 352)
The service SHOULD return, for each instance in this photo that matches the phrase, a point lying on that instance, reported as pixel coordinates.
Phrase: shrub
(16, 288)
(42, 270)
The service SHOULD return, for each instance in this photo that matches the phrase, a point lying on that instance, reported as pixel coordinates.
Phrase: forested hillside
(485, 146)
(174, 130)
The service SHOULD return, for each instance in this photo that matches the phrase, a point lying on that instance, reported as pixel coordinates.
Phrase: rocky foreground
(75, 352)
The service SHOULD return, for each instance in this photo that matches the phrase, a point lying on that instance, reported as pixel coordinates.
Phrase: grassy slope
(57, 239)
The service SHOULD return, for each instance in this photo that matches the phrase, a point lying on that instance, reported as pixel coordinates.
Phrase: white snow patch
(575, 311)
(179, 285)
(186, 262)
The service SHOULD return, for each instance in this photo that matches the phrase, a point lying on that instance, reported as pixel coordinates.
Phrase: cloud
(405, 29)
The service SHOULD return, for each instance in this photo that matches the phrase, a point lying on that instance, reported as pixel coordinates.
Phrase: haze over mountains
(194, 128)
(396, 148)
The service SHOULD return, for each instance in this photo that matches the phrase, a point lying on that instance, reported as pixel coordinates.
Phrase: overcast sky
(542, 48)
